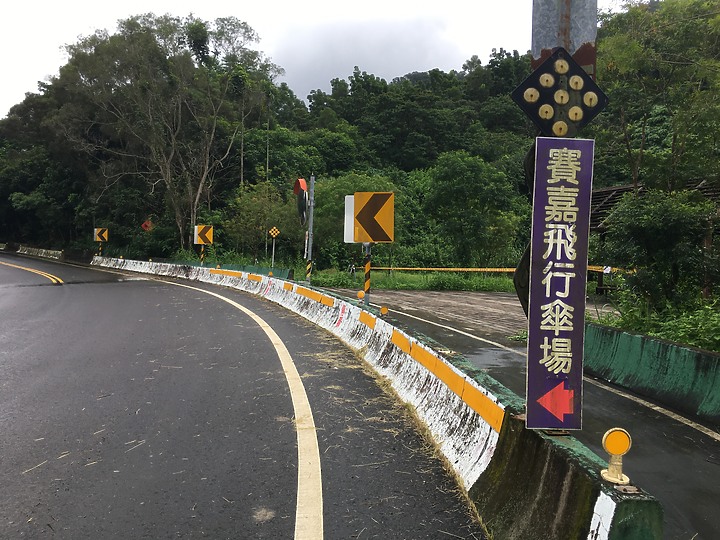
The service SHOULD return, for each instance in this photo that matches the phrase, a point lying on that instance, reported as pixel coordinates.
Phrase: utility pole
(311, 211)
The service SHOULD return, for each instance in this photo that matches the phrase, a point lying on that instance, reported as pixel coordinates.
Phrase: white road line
(657, 408)
(456, 330)
(309, 508)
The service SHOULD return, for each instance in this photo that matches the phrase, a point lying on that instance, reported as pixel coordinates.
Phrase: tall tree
(476, 207)
(159, 100)
(661, 236)
(660, 65)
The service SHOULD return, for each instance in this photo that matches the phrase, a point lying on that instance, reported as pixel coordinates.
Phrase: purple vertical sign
(558, 274)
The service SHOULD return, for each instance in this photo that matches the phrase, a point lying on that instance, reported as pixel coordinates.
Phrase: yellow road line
(55, 280)
(309, 507)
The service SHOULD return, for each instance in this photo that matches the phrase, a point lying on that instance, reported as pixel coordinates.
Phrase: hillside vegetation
(176, 121)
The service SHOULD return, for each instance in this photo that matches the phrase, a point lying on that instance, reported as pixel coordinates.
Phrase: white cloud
(313, 41)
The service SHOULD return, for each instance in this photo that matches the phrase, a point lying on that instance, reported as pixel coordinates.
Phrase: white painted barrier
(44, 253)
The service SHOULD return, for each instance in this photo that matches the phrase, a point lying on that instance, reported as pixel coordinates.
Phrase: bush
(660, 236)
(699, 328)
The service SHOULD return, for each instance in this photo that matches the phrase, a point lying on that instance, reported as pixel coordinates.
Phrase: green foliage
(696, 325)
(432, 281)
(334, 279)
(699, 328)
(659, 64)
(203, 134)
(251, 213)
(660, 236)
(475, 206)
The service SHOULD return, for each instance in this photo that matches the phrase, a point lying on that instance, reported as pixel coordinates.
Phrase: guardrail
(592, 268)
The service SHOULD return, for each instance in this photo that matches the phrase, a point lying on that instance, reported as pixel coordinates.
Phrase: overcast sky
(315, 41)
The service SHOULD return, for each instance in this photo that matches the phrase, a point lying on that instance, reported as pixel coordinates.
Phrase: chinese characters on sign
(558, 273)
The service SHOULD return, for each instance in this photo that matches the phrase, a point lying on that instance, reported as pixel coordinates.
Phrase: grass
(416, 281)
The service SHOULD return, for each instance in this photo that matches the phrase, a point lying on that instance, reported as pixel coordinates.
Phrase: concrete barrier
(683, 378)
(547, 486)
(44, 253)
(525, 484)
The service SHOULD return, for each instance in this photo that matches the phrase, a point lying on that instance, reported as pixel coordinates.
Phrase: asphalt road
(676, 463)
(136, 408)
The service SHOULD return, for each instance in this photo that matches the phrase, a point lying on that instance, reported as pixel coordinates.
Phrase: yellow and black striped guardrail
(593, 268)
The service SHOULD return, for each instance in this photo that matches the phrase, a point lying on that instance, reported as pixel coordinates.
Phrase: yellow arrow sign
(374, 217)
(203, 234)
(101, 235)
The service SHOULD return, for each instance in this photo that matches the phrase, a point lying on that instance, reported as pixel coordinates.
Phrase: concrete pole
(311, 211)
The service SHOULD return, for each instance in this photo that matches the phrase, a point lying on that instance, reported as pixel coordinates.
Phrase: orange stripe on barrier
(314, 295)
(288, 286)
(367, 319)
(491, 412)
(231, 273)
(254, 277)
(400, 341)
(308, 293)
(446, 374)
(424, 357)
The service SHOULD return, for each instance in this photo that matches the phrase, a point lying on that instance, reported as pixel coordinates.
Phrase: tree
(251, 213)
(660, 65)
(659, 237)
(476, 207)
(158, 100)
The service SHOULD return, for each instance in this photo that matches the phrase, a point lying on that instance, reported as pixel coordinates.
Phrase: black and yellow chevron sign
(374, 217)
(203, 234)
(101, 234)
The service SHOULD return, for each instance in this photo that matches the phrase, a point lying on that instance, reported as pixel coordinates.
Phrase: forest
(175, 121)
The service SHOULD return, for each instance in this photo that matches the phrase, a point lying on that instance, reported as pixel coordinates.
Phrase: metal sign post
(274, 232)
(560, 97)
(306, 205)
(101, 235)
(366, 265)
(203, 234)
(311, 211)
(571, 24)
(369, 219)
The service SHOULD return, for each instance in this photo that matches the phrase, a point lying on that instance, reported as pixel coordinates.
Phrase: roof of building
(604, 199)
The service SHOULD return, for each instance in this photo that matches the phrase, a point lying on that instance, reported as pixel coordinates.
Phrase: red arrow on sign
(558, 401)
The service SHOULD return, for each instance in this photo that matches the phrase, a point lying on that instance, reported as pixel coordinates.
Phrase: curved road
(138, 408)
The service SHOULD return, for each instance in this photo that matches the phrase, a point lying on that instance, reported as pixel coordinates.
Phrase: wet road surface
(135, 408)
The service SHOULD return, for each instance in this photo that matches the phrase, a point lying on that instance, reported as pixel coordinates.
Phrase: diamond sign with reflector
(559, 96)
